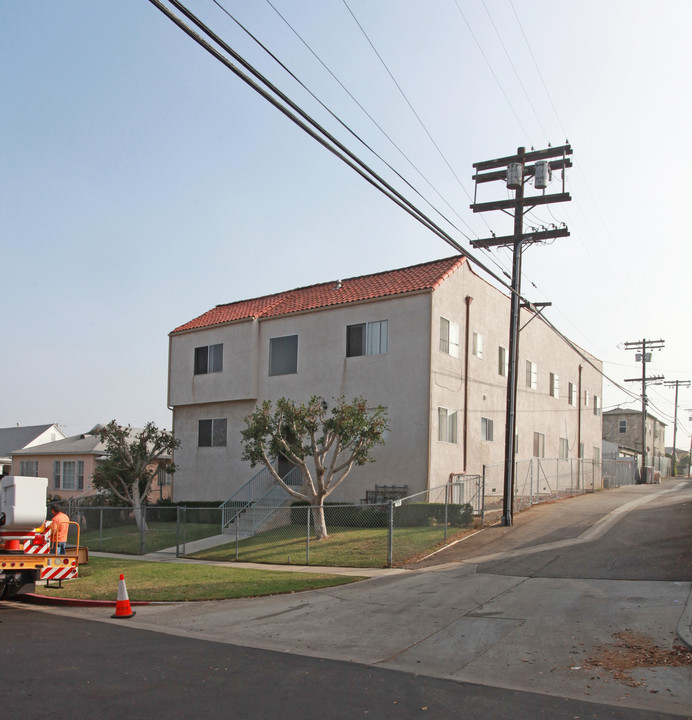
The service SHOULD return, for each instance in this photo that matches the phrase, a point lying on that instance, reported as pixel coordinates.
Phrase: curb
(35, 599)
(685, 624)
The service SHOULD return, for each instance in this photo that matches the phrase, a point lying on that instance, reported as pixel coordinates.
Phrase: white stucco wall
(398, 380)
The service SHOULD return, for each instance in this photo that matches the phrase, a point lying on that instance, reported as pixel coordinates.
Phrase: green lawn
(345, 546)
(172, 582)
(125, 539)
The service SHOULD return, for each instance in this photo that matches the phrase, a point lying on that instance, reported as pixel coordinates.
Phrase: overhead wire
(298, 116)
(369, 115)
(321, 135)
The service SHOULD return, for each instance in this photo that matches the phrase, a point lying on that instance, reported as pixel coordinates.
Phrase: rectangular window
(478, 345)
(486, 429)
(538, 445)
(502, 361)
(572, 393)
(596, 406)
(623, 426)
(531, 375)
(449, 337)
(367, 338)
(564, 449)
(56, 474)
(208, 359)
(283, 355)
(28, 468)
(80, 474)
(554, 386)
(212, 433)
(68, 476)
(597, 455)
(447, 425)
(586, 398)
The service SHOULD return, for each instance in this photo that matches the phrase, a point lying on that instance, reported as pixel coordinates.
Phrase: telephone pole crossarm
(538, 236)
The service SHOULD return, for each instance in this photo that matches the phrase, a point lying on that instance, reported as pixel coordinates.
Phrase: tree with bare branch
(325, 443)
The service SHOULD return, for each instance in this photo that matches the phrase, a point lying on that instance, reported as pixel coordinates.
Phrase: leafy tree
(132, 463)
(325, 443)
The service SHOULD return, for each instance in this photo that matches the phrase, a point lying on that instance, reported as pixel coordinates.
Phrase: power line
(408, 102)
(497, 80)
(371, 118)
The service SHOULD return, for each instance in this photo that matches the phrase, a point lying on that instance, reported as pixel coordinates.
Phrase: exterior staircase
(253, 506)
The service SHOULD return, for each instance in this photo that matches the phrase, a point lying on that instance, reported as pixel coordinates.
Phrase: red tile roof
(426, 276)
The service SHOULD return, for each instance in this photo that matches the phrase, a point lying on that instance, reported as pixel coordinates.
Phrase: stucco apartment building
(428, 342)
(624, 427)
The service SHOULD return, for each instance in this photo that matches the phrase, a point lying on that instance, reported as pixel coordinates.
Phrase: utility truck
(26, 555)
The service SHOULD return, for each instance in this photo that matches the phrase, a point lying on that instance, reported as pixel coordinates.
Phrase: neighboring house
(69, 465)
(401, 339)
(624, 427)
(18, 438)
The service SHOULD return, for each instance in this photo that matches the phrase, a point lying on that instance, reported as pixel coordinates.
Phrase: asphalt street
(507, 611)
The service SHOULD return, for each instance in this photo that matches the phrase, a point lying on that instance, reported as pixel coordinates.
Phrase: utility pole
(676, 384)
(643, 356)
(515, 171)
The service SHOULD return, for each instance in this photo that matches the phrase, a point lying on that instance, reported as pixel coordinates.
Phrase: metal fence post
(100, 527)
(177, 531)
(184, 509)
(142, 524)
(237, 522)
(307, 537)
(390, 543)
(446, 506)
(483, 498)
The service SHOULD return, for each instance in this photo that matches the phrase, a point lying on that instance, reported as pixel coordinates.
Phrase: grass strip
(345, 546)
(178, 582)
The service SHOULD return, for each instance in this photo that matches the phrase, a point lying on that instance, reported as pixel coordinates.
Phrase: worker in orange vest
(60, 524)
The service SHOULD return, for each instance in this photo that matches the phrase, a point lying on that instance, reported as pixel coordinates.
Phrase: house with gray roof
(20, 437)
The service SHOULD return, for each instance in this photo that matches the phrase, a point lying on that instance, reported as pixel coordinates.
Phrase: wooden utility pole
(515, 171)
(643, 356)
(676, 384)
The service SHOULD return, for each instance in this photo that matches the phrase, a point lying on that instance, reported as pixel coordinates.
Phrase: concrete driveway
(491, 618)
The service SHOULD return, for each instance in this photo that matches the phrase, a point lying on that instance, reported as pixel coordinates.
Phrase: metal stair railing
(256, 489)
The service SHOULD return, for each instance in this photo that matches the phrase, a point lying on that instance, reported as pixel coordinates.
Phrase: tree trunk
(318, 519)
(140, 517)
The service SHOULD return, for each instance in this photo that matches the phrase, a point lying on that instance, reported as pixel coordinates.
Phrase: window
(163, 477)
(622, 426)
(502, 361)
(572, 393)
(80, 474)
(68, 477)
(597, 455)
(449, 337)
(596, 406)
(283, 355)
(564, 449)
(28, 468)
(586, 398)
(367, 338)
(538, 445)
(208, 359)
(478, 345)
(212, 433)
(56, 474)
(486, 429)
(531, 375)
(554, 386)
(447, 425)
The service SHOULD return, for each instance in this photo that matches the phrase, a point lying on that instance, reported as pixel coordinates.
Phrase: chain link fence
(378, 534)
(382, 533)
(540, 480)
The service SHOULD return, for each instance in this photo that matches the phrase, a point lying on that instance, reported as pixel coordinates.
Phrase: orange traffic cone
(122, 604)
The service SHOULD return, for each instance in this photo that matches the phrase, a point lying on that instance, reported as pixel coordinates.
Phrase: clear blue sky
(142, 183)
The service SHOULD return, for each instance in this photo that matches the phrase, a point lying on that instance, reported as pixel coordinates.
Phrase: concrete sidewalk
(454, 621)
